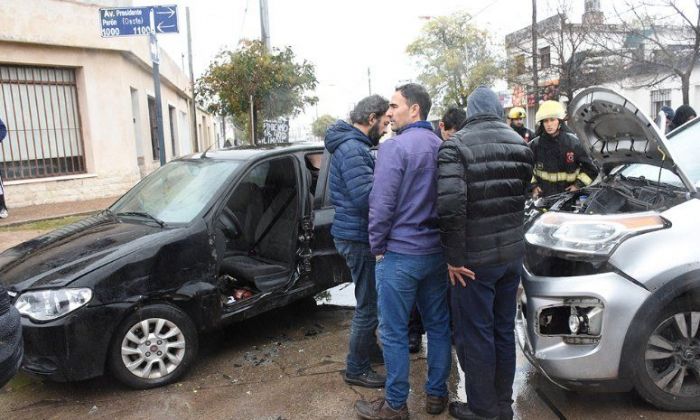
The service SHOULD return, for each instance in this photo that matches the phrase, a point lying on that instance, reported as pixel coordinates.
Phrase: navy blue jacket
(351, 176)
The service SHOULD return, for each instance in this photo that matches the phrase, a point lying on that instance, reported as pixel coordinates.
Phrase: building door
(154, 127)
(136, 119)
(172, 115)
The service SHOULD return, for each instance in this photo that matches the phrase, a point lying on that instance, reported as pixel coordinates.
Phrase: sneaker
(435, 405)
(379, 409)
(3, 214)
(460, 410)
(369, 379)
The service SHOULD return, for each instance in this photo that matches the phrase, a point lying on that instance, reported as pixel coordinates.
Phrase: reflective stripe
(560, 176)
(583, 177)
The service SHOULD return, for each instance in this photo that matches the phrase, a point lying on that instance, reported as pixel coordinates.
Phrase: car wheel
(153, 346)
(667, 364)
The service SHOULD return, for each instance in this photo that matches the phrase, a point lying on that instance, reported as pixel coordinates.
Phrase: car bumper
(568, 364)
(71, 348)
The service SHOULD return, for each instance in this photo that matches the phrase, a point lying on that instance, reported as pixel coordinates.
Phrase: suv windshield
(685, 147)
(177, 192)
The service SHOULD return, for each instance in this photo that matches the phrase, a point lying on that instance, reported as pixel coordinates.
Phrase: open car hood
(615, 132)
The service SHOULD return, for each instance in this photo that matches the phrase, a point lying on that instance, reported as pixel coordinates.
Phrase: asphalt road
(286, 365)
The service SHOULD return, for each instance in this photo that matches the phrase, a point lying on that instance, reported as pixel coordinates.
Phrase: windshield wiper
(142, 214)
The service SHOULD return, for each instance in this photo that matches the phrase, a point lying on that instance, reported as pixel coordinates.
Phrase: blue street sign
(126, 21)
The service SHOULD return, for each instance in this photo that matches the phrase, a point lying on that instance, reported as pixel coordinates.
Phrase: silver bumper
(567, 363)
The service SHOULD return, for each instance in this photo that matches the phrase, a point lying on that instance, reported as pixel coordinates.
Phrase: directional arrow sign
(127, 21)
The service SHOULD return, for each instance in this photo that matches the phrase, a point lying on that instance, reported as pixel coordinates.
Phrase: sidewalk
(21, 215)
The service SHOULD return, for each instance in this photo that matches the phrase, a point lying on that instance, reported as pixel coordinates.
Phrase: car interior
(256, 236)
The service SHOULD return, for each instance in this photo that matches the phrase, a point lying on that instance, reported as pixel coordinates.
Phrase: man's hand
(572, 188)
(536, 192)
(456, 274)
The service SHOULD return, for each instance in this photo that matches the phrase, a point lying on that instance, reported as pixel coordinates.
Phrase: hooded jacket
(351, 175)
(483, 174)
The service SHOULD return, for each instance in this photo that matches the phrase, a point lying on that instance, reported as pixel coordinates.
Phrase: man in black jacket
(483, 173)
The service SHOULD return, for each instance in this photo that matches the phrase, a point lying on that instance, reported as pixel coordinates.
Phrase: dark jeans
(363, 341)
(483, 316)
(415, 324)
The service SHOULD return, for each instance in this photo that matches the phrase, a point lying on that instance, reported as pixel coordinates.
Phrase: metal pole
(252, 121)
(535, 77)
(156, 87)
(193, 105)
(264, 25)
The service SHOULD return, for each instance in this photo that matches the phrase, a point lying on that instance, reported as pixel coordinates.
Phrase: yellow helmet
(516, 113)
(550, 109)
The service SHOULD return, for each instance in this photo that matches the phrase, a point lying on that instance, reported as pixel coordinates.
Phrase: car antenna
(204, 154)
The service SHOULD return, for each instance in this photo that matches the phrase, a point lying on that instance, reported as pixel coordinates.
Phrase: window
(520, 64)
(39, 106)
(154, 127)
(659, 98)
(545, 58)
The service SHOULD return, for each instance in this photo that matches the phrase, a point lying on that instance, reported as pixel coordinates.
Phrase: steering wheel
(232, 225)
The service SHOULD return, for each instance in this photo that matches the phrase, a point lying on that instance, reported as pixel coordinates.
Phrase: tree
(275, 81)
(454, 57)
(321, 124)
(657, 40)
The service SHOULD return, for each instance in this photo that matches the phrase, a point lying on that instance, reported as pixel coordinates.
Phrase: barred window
(39, 106)
(659, 98)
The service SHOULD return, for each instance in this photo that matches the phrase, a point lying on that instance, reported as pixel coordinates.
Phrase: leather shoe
(435, 405)
(460, 410)
(415, 342)
(379, 409)
(369, 379)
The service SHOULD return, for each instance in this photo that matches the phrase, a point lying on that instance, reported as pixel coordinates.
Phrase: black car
(10, 338)
(204, 241)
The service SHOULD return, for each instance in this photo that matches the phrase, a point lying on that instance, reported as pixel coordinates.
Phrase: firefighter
(561, 163)
(517, 116)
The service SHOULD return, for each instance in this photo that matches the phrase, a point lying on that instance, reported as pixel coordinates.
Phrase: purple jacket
(402, 205)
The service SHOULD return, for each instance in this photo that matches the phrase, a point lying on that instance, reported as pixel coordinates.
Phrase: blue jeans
(363, 341)
(403, 280)
(483, 316)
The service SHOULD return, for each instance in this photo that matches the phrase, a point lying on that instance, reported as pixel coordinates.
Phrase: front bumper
(71, 348)
(575, 365)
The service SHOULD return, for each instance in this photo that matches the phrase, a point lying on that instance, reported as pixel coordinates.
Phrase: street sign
(127, 21)
(275, 131)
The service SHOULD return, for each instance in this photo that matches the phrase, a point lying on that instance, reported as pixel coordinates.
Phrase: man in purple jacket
(405, 238)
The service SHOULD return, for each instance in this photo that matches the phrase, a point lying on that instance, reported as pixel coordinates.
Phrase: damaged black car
(202, 242)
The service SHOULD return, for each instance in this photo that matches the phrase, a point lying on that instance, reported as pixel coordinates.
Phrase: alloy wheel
(672, 355)
(153, 348)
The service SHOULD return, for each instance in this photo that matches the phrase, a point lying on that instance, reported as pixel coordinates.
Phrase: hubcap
(673, 355)
(153, 348)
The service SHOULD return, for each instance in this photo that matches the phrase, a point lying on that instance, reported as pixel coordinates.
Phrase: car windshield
(685, 147)
(177, 192)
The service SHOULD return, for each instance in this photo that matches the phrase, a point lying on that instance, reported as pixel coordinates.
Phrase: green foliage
(454, 57)
(321, 124)
(277, 83)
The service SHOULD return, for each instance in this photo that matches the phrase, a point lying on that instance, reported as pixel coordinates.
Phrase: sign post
(147, 20)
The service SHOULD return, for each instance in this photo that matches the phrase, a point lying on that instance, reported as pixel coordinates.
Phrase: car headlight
(589, 234)
(47, 305)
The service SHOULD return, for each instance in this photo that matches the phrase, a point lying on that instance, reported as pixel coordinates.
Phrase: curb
(61, 216)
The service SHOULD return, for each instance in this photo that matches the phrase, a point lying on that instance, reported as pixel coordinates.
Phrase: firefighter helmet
(550, 109)
(516, 113)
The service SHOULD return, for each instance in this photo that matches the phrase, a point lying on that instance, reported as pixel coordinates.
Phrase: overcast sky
(341, 38)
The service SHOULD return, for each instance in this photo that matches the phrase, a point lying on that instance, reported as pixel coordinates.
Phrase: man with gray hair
(351, 177)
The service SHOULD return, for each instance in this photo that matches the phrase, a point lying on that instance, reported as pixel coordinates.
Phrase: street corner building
(80, 108)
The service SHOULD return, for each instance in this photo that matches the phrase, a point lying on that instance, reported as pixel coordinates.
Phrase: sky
(343, 39)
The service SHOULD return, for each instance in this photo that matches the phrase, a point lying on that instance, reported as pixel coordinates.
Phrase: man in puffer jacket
(351, 176)
(484, 171)
(11, 348)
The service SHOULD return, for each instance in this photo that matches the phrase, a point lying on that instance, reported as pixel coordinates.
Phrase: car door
(328, 267)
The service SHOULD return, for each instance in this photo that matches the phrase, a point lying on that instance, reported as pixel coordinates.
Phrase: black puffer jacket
(484, 172)
(11, 349)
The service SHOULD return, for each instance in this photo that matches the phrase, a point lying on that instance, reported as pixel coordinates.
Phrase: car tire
(152, 347)
(666, 364)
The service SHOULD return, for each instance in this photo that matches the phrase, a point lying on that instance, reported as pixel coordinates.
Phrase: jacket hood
(615, 132)
(484, 101)
(341, 132)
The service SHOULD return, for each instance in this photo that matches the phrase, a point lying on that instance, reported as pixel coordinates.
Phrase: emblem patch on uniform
(569, 157)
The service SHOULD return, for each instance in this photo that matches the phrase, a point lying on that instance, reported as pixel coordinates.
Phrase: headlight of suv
(596, 235)
(47, 305)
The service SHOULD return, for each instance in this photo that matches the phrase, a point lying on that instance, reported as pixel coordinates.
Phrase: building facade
(80, 109)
